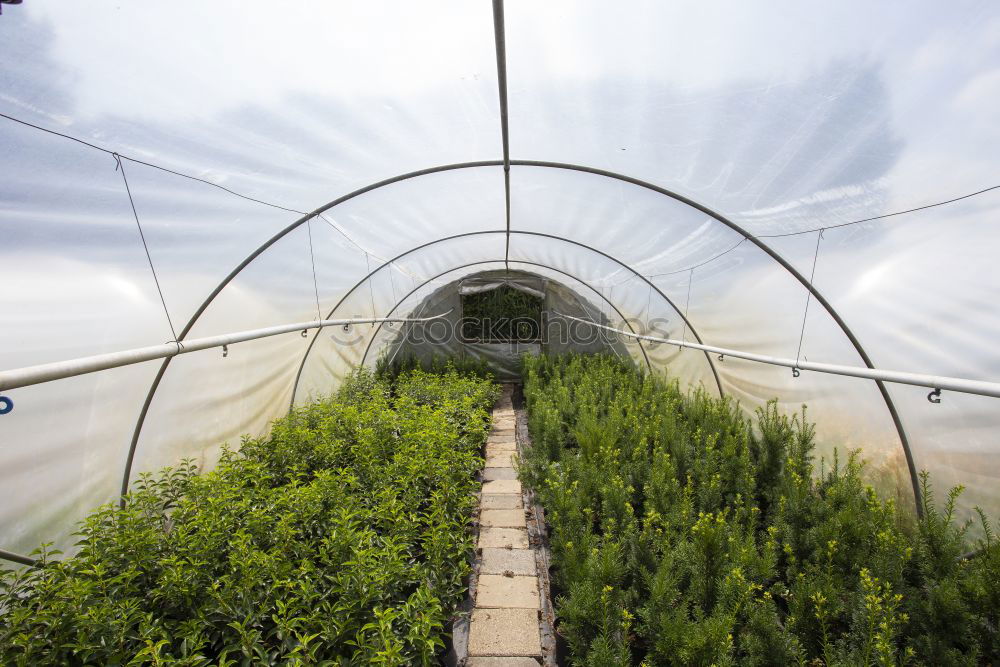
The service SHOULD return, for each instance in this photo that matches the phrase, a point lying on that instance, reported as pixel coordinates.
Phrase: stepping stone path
(504, 630)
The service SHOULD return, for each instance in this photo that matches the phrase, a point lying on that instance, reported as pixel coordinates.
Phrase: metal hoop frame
(506, 163)
(894, 414)
(550, 165)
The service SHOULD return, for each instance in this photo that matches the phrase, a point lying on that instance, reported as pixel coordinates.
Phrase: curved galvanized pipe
(770, 252)
(904, 441)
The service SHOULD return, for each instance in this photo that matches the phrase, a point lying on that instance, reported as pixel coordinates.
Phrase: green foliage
(501, 315)
(685, 533)
(341, 538)
(390, 369)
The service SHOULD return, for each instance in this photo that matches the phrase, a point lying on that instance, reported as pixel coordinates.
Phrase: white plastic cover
(768, 122)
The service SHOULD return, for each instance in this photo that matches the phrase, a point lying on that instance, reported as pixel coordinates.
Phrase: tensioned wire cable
(805, 313)
(700, 264)
(149, 257)
(371, 289)
(120, 157)
(687, 303)
(880, 217)
(149, 164)
(292, 210)
(312, 260)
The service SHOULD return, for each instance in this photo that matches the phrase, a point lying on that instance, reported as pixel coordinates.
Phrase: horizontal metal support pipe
(24, 377)
(18, 558)
(941, 382)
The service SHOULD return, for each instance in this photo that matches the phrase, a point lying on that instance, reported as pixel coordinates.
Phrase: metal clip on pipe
(722, 357)
(225, 351)
(795, 372)
(934, 396)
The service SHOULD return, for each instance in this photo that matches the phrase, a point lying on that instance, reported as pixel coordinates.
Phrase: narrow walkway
(505, 619)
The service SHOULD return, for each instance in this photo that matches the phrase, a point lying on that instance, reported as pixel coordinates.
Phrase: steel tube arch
(608, 301)
(904, 441)
(897, 421)
(137, 431)
(18, 558)
(708, 357)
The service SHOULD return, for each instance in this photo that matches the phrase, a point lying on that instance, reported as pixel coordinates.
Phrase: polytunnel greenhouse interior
(741, 406)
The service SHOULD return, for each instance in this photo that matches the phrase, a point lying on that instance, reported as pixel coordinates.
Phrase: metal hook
(722, 357)
(305, 333)
(6, 405)
(934, 396)
(225, 351)
(795, 372)
(347, 327)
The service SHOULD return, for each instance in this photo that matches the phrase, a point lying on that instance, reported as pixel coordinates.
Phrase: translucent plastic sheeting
(782, 120)
(651, 232)
(652, 315)
(401, 216)
(206, 399)
(920, 291)
(197, 234)
(739, 297)
(63, 448)
(293, 105)
(70, 255)
(428, 340)
(747, 301)
(779, 118)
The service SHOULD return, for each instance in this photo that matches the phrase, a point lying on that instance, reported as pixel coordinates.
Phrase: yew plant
(685, 533)
(340, 539)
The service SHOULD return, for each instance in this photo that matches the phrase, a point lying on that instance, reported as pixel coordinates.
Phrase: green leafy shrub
(390, 368)
(340, 538)
(684, 533)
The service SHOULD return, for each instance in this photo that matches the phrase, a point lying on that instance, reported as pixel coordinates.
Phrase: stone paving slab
(504, 627)
(512, 518)
(520, 562)
(500, 501)
(494, 474)
(503, 459)
(498, 590)
(502, 486)
(503, 538)
(502, 662)
(504, 632)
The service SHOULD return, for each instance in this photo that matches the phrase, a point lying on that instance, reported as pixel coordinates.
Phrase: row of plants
(341, 538)
(685, 533)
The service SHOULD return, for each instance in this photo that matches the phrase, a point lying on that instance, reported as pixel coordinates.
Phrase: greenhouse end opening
(499, 332)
